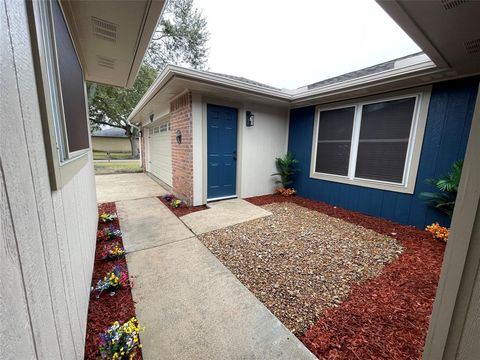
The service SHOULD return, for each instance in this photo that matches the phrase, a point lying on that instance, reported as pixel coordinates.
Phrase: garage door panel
(160, 154)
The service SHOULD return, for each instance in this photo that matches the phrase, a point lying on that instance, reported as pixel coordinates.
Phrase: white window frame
(414, 149)
(64, 152)
(62, 164)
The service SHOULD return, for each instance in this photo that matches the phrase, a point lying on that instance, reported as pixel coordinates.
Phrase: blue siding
(446, 135)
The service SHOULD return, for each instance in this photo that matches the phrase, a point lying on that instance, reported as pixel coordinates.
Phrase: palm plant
(448, 185)
(286, 168)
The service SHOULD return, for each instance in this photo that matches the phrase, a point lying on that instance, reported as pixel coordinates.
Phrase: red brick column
(182, 154)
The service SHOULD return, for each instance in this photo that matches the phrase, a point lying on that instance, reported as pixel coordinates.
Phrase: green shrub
(448, 185)
(286, 168)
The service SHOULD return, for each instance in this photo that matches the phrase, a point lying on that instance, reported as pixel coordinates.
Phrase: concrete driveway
(119, 187)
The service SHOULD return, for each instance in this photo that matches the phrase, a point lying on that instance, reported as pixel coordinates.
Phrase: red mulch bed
(104, 311)
(386, 317)
(183, 210)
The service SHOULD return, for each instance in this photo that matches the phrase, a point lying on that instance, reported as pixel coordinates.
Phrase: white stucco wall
(259, 146)
(47, 238)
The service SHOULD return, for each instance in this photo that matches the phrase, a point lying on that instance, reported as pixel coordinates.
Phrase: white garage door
(160, 152)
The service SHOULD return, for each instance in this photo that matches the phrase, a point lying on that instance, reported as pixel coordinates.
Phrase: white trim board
(423, 70)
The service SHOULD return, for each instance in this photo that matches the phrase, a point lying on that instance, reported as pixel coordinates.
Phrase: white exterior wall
(47, 238)
(197, 149)
(258, 147)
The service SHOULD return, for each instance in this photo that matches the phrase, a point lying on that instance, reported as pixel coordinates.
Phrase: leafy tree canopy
(180, 38)
(109, 105)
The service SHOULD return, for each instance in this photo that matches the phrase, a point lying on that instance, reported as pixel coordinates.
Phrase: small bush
(168, 197)
(112, 281)
(107, 217)
(108, 233)
(286, 192)
(177, 203)
(286, 168)
(120, 341)
(438, 232)
(113, 252)
(448, 185)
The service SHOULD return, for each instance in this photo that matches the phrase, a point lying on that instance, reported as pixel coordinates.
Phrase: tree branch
(109, 124)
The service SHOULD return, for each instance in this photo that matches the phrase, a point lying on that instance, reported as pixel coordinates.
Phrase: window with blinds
(334, 141)
(71, 85)
(366, 141)
(383, 141)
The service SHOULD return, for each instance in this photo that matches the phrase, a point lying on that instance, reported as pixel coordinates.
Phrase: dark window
(334, 141)
(72, 85)
(383, 142)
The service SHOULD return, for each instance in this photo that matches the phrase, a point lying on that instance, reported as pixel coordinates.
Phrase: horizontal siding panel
(446, 135)
(49, 240)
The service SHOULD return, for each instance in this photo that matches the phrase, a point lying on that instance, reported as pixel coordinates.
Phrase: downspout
(140, 148)
(134, 126)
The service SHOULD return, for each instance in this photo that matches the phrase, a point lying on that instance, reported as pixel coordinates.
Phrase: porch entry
(221, 152)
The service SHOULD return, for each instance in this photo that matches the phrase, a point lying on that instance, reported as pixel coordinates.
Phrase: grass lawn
(116, 167)
(102, 155)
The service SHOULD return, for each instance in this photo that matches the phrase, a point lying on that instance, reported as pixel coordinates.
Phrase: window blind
(334, 141)
(71, 84)
(383, 141)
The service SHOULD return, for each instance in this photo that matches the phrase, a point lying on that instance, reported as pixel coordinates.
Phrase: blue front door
(222, 151)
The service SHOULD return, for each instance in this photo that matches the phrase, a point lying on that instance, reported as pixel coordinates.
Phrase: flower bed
(182, 209)
(386, 317)
(105, 310)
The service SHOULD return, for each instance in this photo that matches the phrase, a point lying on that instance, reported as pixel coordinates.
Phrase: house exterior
(439, 90)
(111, 140)
(360, 145)
(47, 189)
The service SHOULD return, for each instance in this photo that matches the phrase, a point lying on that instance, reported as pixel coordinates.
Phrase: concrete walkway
(223, 214)
(126, 187)
(148, 223)
(195, 308)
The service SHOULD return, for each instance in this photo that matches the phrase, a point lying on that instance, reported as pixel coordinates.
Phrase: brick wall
(182, 154)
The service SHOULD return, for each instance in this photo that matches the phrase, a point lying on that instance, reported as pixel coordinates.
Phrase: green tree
(109, 105)
(180, 38)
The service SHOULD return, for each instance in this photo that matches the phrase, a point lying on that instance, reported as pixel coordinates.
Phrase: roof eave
(385, 77)
(114, 59)
(173, 71)
(413, 71)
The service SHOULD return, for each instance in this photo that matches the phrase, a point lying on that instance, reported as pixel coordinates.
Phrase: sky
(292, 43)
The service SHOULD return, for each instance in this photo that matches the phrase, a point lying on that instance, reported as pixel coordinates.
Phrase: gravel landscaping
(300, 262)
(386, 317)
